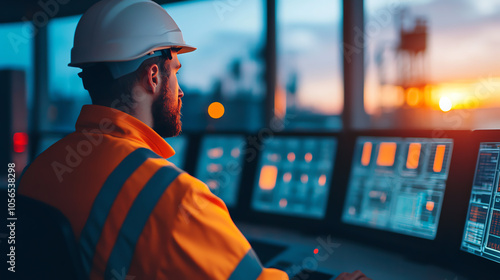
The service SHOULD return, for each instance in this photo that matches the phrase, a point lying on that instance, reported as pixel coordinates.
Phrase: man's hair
(106, 91)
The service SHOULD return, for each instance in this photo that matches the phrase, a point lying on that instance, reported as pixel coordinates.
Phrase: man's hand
(356, 275)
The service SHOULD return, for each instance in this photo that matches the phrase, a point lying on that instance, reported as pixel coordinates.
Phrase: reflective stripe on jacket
(133, 212)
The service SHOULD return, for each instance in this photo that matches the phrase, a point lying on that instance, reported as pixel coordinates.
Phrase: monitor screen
(179, 144)
(220, 165)
(293, 176)
(482, 227)
(398, 184)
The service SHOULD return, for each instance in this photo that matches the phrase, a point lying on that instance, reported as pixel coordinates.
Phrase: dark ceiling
(25, 10)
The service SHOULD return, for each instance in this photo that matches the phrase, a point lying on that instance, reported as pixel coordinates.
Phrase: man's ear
(152, 78)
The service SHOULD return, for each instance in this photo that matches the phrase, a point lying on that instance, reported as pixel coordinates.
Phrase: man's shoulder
(190, 189)
(77, 155)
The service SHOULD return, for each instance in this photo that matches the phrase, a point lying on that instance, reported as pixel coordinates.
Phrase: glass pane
(66, 92)
(227, 67)
(16, 52)
(310, 89)
(432, 63)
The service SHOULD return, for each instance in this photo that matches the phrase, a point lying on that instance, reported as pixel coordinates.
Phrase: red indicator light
(316, 251)
(20, 142)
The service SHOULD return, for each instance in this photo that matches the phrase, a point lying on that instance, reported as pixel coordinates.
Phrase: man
(130, 209)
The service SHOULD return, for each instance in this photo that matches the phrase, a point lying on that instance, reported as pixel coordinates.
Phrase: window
(227, 67)
(432, 64)
(66, 92)
(309, 92)
(16, 52)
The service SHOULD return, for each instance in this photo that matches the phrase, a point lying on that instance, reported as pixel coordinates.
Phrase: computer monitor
(179, 144)
(482, 228)
(220, 165)
(398, 184)
(293, 176)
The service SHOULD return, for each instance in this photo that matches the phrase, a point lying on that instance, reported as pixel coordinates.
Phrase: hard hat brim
(184, 48)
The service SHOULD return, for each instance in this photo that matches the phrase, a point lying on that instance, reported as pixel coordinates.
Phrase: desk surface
(338, 255)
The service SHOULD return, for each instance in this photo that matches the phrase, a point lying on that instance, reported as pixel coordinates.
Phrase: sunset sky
(463, 48)
(463, 45)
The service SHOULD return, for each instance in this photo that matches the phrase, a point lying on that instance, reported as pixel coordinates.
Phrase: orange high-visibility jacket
(133, 212)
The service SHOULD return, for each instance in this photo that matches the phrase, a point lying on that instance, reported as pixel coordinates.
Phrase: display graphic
(482, 227)
(293, 176)
(398, 184)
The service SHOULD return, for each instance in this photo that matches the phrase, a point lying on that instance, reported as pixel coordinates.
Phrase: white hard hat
(124, 30)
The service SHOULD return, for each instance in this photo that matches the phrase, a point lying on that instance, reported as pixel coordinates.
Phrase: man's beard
(167, 114)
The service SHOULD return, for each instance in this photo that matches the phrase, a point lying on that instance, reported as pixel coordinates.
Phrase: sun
(445, 104)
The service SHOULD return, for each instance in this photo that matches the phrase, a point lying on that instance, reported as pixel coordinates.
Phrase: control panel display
(293, 176)
(398, 184)
(220, 165)
(179, 144)
(482, 227)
